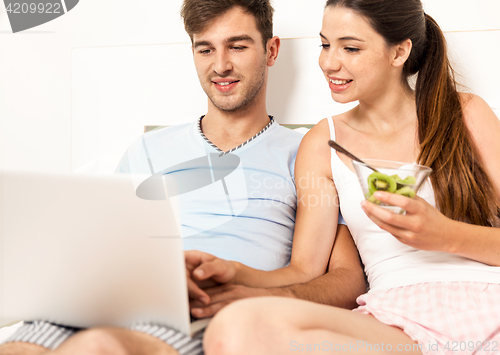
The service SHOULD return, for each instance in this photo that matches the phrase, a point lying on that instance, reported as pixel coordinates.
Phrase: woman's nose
(329, 61)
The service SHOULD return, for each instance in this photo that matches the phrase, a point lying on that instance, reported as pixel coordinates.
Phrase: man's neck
(229, 129)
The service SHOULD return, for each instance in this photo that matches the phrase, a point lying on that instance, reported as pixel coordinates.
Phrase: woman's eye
(352, 50)
(325, 46)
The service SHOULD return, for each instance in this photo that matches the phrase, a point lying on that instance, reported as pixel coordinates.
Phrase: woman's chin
(342, 99)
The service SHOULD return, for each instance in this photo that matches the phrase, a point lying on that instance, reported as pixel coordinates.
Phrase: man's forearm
(338, 287)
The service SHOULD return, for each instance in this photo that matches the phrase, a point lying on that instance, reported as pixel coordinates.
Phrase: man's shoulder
(289, 133)
(158, 147)
(165, 131)
(284, 139)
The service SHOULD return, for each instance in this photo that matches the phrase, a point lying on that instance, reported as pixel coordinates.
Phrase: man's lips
(225, 85)
(224, 82)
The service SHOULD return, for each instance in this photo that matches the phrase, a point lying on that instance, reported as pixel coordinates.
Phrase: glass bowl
(395, 177)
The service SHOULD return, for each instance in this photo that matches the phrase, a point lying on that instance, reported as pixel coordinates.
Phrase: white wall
(82, 86)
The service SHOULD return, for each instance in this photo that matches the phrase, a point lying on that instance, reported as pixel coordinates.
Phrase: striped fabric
(444, 318)
(177, 340)
(271, 119)
(51, 336)
(41, 333)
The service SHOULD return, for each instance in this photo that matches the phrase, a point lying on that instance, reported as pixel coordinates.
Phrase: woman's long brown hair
(462, 189)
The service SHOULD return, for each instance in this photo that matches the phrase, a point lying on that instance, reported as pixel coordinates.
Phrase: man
(231, 173)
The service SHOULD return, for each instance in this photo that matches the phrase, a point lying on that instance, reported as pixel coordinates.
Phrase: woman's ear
(401, 53)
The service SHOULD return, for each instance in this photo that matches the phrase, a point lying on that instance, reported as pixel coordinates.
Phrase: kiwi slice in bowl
(396, 178)
(381, 182)
(372, 199)
(389, 176)
(409, 180)
(406, 191)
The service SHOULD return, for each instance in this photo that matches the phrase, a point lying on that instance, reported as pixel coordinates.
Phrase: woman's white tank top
(388, 262)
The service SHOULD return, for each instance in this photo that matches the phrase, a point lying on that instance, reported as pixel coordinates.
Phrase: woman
(434, 272)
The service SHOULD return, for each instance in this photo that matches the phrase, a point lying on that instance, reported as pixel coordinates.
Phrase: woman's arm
(484, 128)
(474, 242)
(424, 227)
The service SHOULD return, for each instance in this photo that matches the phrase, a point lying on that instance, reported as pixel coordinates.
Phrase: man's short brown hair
(198, 14)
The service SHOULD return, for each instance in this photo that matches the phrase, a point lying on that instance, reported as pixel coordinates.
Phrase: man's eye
(238, 48)
(205, 51)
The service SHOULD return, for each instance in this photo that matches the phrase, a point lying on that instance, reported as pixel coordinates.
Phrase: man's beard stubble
(248, 95)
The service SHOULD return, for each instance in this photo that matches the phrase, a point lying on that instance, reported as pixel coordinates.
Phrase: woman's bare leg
(274, 325)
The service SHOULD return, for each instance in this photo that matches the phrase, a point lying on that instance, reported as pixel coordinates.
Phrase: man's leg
(116, 341)
(36, 337)
(19, 348)
(142, 339)
(97, 341)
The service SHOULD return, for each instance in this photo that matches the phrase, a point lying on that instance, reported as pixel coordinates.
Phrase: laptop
(85, 250)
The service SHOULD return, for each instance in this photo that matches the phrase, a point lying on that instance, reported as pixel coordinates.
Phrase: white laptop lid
(85, 251)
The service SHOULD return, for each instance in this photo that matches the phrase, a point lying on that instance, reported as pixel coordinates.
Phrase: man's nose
(222, 64)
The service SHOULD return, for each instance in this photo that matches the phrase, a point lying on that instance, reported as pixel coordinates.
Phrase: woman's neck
(387, 112)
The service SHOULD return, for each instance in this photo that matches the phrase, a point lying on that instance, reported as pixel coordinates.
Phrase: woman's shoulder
(480, 120)
(316, 137)
(313, 156)
(315, 142)
(320, 128)
(323, 128)
(476, 110)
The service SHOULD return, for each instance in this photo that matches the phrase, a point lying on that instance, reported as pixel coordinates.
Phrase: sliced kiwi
(406, 191)
(381, 182)
(374, 200)
(409, 180)
(396, 178)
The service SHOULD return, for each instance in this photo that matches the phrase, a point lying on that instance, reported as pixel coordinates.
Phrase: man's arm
(343, 282)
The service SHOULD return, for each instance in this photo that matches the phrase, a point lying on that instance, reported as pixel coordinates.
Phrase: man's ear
(401, 52)
(273, 47)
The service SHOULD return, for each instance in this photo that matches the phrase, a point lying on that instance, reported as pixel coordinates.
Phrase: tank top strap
(332, 128)
(339, 169)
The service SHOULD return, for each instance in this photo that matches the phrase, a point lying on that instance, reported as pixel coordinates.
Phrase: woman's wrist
(455, 236)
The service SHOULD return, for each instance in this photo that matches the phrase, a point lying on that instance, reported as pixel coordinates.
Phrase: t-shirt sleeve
(341, 219)
(136, 159)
